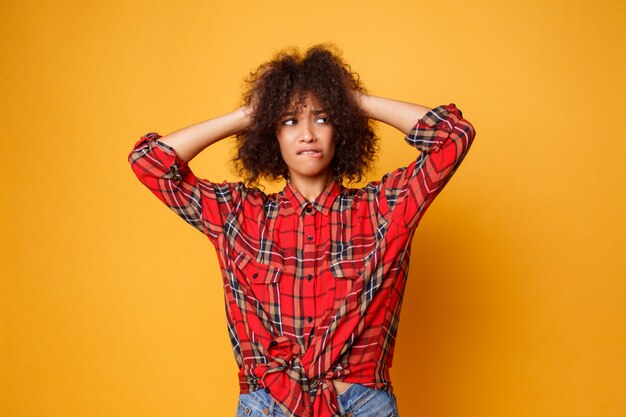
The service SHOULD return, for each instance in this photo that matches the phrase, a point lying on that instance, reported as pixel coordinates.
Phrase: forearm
(399, 114)
(191, 140)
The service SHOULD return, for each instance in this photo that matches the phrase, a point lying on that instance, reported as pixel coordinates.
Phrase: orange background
(111, 305)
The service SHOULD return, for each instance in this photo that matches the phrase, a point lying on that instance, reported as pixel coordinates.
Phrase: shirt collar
(322, 203)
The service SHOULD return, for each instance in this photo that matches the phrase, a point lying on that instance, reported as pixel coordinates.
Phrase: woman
(313, 275)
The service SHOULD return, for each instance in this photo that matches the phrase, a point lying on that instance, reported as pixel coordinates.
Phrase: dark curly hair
(286, 80)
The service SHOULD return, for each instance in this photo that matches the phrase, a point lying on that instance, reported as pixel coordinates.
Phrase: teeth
(308, 152)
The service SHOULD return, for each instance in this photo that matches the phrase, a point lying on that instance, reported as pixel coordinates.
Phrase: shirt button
(273, 343)
(309, 277)
(310, 237)
(267, 390)
(255, 275)
(309, 319)
(309, 210)
(266, 410)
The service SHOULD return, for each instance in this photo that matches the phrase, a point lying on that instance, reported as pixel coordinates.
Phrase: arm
(398, 114)
(161, 164)
(191, 140)
(442, 136)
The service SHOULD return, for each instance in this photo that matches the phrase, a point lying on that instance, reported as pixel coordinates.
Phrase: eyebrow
(314, 112)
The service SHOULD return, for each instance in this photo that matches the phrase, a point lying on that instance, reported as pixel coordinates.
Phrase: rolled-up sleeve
(443, 138)
(203, 204)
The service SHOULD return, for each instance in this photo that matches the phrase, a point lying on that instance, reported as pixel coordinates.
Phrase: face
(305, 136)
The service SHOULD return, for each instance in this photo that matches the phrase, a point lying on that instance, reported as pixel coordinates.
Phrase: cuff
(165, 154)
(434, 127)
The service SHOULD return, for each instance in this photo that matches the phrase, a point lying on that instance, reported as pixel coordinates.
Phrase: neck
(312, 187)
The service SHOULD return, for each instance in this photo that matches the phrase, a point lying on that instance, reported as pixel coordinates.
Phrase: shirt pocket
(349, 260)
(262, 289)
(351, 255)
(254, 272)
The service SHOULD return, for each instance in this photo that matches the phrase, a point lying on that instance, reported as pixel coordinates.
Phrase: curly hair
(285, 81)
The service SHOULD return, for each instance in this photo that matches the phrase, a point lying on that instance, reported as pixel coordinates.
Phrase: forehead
(301, 102)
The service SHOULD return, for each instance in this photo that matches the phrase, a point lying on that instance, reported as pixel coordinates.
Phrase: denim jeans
(357, 401)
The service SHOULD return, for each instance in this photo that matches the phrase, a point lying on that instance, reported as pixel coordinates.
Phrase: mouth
(315, 153)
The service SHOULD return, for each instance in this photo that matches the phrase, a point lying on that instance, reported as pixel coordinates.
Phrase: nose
(307, 133)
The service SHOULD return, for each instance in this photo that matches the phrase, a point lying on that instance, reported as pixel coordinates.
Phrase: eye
(321, 120)
(289, 122)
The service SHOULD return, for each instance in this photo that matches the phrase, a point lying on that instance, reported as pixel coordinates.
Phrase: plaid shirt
(313, 290)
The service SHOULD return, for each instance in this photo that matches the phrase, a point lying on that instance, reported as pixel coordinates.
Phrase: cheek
(281, 143)
(333, 146)
(282, 148)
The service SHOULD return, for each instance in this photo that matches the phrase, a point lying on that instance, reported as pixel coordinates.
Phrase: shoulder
(231, 190)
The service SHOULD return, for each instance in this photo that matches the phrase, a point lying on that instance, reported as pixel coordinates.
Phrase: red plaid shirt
(312, 290)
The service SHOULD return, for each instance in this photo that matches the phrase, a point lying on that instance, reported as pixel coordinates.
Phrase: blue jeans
(357, 401)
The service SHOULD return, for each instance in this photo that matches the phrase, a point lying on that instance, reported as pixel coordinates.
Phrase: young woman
(313, 275)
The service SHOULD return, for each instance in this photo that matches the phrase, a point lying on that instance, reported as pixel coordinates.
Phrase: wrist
(243, 117)
(364, 102)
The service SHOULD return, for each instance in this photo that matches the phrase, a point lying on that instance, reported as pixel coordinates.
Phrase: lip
(309, 152)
